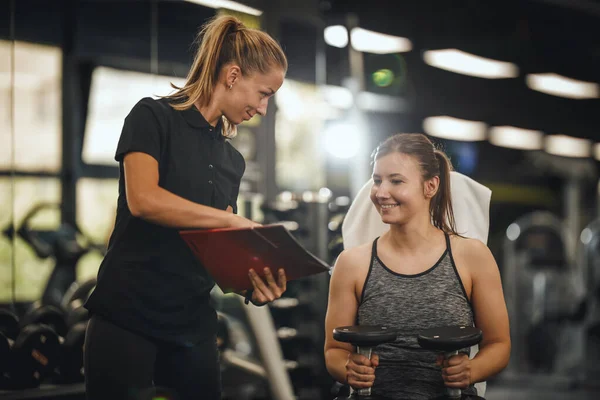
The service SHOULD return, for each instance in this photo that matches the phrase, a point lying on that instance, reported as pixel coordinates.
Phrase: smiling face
(249, 94)
(399, 192)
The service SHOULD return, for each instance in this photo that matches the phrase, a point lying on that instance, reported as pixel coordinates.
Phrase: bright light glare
(378, 43)
(568, 146)
(586, 236)
(468, 64)
(558, 85)
(513, 231)
(337, 96)
(336, 36)
(342, 140)
(454, 128)
(229, 5)
(289, 102)
(516, 138)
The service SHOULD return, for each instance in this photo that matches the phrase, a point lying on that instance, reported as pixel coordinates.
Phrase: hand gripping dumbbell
(364, 338)
(449, 340)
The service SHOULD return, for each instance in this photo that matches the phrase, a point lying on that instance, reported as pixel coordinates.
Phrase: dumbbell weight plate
(77, 314)
(34, 355)
(47, 315)
(9, 324)
(4, 353)
(71, 362)
(364, 335)
(78, 291)
(449, 338)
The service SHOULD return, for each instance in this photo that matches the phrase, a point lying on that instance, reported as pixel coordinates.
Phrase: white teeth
(388, 206)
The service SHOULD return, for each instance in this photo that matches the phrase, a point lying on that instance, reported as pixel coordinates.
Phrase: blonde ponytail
(225, 39)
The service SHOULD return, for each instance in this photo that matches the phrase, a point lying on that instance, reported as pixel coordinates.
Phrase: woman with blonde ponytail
(152, 322)
(419, 274)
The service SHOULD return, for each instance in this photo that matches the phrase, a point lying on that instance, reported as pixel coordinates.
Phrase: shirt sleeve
(235, 190)
(233, 199)
(142, 131)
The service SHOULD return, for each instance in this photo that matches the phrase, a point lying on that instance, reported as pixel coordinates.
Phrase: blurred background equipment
(543, 288)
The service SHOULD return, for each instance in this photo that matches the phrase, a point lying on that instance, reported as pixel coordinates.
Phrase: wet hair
(432, 162)
(222, 40)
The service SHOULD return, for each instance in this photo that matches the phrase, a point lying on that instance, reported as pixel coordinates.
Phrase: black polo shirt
(149, 282)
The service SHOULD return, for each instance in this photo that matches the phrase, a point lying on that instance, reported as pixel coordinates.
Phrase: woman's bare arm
(491, 315)
(148, 201)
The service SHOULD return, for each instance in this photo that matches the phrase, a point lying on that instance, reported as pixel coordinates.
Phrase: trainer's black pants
(120, 364)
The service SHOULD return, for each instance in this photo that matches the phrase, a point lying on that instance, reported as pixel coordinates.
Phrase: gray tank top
(412, 303)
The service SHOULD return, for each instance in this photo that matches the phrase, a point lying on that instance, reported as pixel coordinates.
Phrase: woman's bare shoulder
(466, 244)
(472, 252)
(355, 258)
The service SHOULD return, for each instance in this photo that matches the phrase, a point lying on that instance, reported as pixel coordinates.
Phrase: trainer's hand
(266, 290)
(237, 221)
(456, 370)
(360, 371)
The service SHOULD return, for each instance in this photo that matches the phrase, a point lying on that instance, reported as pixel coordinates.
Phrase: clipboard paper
(227, 254)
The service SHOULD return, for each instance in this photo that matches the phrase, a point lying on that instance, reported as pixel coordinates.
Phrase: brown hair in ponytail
(221, 40)
(433, 162)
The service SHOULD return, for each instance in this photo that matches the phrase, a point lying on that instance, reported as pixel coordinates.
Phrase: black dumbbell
(74, 299)
(28, 355)
(70, 369)
(449, 340)
(9, 329)
(364, 338)
(69, 366)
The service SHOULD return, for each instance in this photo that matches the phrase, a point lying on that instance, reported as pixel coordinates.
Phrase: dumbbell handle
(453, 393)
(367, 352)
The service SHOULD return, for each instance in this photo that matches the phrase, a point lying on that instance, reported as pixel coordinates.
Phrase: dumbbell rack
(57, 371)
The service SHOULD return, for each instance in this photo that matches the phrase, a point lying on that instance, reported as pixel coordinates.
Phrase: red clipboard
(228, 254)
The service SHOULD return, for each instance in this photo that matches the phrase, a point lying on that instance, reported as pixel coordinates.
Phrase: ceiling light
(378, 43)
(516, 138)
(568, 146)
(336, 36)
(454, 128)
(558, 85)
(468, 64)
(229, 5)
(597, 151)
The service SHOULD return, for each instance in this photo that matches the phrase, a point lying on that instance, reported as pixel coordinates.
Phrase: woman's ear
(431, 187)
(233, 74)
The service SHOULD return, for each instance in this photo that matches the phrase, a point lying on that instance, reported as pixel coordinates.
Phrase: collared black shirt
(149, 281)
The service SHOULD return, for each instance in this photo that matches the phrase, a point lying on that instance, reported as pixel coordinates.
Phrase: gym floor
(500, 393)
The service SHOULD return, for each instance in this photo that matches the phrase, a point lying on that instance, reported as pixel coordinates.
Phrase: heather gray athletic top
(411, 303)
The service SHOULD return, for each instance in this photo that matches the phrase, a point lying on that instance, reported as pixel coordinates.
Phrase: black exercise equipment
(449, 340)
(46, 315)
(66, 244)
(364, 338)
(71, 337)
(74, 299)
(543, 298)
(29, 356)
